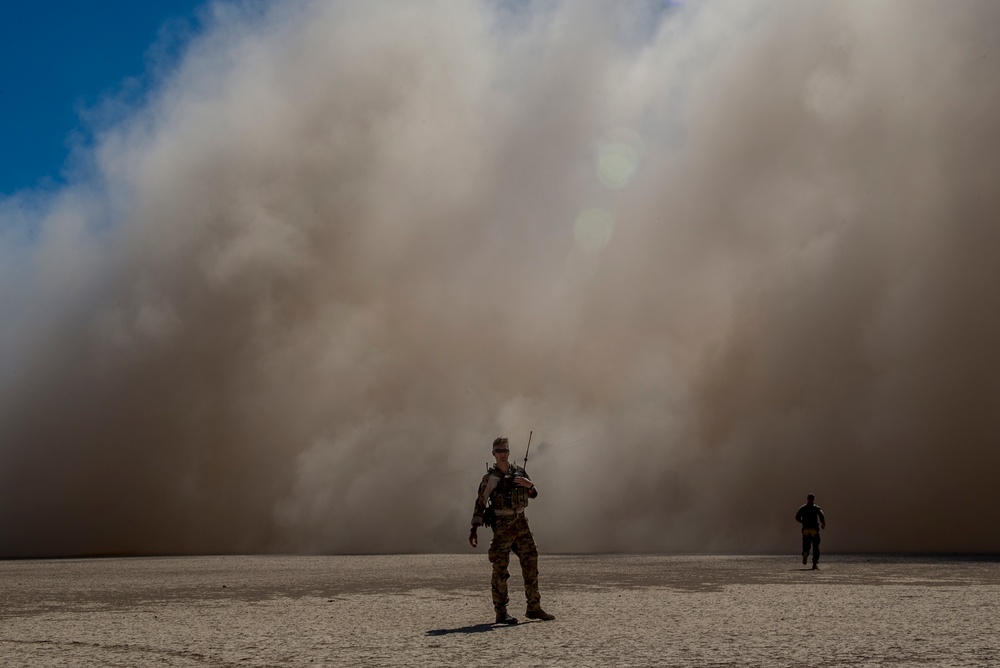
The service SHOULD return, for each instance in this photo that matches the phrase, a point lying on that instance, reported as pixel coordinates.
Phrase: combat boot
(504, 618)
(538, 613)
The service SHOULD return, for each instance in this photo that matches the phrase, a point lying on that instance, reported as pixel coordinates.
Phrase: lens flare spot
(618, 157)
(593, 230)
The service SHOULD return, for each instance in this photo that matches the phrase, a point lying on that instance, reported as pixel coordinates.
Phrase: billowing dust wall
(714, 255)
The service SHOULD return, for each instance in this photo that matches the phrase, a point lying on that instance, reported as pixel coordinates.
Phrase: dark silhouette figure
(812, 519)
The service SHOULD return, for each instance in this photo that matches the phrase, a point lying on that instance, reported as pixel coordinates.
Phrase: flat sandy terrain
(434, 610)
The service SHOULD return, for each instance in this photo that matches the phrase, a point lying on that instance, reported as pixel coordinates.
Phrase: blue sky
(60, 58)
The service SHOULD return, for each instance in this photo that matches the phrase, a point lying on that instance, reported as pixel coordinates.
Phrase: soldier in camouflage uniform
(504, 492)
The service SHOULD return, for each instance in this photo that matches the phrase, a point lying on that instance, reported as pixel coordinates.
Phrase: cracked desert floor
(434, 610)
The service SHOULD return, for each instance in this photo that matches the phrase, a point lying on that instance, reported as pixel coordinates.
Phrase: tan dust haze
(715, 255)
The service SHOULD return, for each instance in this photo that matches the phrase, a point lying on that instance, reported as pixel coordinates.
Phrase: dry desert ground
(434, 610)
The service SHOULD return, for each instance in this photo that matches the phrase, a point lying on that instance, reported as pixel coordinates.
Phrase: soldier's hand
(473, 538)
(523, 482)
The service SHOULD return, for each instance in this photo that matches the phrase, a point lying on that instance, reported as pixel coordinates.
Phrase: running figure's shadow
(476, 628)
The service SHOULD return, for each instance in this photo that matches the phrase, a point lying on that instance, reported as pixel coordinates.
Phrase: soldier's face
(501, 453)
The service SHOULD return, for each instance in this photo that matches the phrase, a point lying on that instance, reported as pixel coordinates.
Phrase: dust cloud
(713, 255)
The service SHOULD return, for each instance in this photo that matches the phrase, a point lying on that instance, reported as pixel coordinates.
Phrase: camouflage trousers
(513, 535)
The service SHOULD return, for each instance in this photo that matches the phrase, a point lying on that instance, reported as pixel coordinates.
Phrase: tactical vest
(506, 495)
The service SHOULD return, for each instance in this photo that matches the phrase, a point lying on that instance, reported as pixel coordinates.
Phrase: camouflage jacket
(499, 491)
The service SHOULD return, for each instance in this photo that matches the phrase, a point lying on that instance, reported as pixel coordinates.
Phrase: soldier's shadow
(476, 628)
